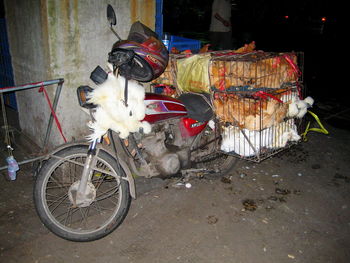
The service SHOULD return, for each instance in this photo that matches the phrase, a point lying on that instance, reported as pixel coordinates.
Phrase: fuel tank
(160, 107)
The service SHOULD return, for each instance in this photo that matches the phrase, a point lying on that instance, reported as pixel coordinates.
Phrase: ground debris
(297, 192)
(242, 175)
(275, 198)
(295, 155)
(341, 177)
(282, 191)
(338, 179)
(249, 205)
(316, 166)
(225, 180)
(212, 220)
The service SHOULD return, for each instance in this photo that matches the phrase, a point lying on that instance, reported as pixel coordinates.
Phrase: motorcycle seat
(198, 106)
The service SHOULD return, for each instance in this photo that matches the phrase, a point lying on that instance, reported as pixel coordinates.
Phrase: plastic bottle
(12, 167)
(166, 40)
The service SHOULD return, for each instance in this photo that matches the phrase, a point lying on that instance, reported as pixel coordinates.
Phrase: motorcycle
(83, 190)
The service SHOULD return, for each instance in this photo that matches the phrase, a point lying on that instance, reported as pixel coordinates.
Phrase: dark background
(277, 26)
(2, 11)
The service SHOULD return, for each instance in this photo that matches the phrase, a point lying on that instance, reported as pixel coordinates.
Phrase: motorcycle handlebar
(119, 57)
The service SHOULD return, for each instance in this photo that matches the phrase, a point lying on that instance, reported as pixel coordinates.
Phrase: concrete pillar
(67, 39)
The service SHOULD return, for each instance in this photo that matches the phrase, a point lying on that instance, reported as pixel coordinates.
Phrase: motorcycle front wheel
(58, 179)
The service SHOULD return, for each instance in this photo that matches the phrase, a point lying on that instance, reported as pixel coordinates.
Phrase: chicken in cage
(259, 124)
(256, 70)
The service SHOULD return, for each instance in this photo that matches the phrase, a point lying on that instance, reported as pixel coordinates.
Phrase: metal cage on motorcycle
(250, 130)
(251, 97)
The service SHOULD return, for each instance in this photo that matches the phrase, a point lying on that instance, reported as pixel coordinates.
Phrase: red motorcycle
(83, 190)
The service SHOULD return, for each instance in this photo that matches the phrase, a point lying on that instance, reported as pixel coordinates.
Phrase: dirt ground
(294, 207)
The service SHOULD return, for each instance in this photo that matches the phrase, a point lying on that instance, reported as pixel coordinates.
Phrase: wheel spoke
(83, 218)
(109, 192)
(70, 211)
(101, 207)
(58, 204)
(60, 199)
(60, 185)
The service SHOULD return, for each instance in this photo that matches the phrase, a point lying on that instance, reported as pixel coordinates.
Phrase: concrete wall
(67, 39)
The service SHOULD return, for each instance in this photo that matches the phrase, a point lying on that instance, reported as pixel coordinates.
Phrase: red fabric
(296, 70)
(264, 95)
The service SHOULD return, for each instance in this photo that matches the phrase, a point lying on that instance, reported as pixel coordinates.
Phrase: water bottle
(12, 167)
(166, 40)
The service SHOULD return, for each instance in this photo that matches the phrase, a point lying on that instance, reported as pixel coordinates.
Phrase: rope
(297, 71)
(7, 131)
(322, 129)
(42, 89)
(264, 95)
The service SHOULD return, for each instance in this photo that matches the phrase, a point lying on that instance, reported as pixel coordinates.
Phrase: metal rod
(37, 85)
(25, 161)
(54, 106)
(31, 85)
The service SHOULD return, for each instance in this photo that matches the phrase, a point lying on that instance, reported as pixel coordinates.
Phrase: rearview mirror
(112, 19)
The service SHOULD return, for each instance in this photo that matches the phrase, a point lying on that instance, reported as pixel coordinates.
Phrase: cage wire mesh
(251, 97)
(251, 93)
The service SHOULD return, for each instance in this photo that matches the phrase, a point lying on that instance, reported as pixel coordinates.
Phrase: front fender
(123, 164)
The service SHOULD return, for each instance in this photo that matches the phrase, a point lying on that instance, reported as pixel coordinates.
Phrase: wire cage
(255, 70)
(252, 98)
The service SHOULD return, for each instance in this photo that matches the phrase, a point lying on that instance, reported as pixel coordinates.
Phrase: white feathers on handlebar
(112, 113)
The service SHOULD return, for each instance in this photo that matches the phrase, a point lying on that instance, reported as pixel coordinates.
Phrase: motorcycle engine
(164, 151)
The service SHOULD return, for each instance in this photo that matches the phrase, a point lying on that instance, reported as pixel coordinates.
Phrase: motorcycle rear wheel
(207, 156)
(107, 209)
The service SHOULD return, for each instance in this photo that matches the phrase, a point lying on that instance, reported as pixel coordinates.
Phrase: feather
(309, 101)
(284, 132)
(245, 142)
(298, 108)
(112, 113)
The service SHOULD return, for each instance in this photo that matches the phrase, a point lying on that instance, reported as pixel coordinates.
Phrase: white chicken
(298, 108)
(112, 113)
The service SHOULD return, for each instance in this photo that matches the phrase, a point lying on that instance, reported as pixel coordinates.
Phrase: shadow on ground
(293, 207)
